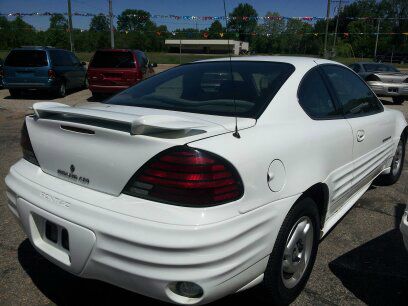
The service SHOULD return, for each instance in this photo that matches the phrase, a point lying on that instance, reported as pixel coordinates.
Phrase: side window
(315, 98)
(74, 59)
(60, 58)
(141, 59)
(356, 68)
(354, 95)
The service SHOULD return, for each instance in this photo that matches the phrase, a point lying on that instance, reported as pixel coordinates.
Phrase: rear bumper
(107, 89)
(389, 89)
(140, 255)
(29, 85)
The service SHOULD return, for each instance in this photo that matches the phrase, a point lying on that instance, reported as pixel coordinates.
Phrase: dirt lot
(362, 261)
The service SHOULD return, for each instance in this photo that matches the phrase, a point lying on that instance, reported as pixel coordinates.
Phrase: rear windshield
(210, 88)
(26, 58)
(111, 59)
(379, 67)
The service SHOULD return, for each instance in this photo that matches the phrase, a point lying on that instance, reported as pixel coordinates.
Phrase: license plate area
(57, 235)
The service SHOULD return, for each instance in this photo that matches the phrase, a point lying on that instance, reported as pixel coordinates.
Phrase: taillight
(372, 77)
(28, 151)
(188, 177)
(51, 74)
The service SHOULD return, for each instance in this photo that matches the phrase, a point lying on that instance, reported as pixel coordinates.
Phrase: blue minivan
(43, 68)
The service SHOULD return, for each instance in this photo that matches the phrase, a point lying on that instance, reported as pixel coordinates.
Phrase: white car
(206, 179)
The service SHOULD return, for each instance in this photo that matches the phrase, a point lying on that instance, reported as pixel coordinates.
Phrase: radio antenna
(236, 133)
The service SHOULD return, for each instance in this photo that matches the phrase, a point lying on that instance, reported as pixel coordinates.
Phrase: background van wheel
(398, 100)
(97, 96)
(15, 93)
(396, 166)
(86, 83)
(293, 255)
(61, 90)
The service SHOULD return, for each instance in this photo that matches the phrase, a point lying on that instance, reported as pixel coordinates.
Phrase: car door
(372, 126)
(62, 64)
(143, 64)
(335, 135)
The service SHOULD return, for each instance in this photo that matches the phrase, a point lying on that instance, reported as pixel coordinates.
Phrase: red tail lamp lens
(51, 74)
(28, 151)
(187, 177)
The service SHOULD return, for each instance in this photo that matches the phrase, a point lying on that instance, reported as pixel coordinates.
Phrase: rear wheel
(293, 255)
(398, 100)
(97, 95)
(15, 93)
(86, 83)
(61, 90)
(396, 166)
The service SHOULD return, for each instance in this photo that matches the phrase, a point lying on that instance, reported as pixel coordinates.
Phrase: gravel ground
(362, 261)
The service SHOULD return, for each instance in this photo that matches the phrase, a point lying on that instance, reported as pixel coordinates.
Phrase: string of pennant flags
(206, 34)
(193, 17)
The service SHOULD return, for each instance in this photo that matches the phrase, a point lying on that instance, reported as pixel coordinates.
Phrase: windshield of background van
(209, 88)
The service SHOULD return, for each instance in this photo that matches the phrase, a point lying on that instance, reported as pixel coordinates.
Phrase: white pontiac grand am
(206, 179)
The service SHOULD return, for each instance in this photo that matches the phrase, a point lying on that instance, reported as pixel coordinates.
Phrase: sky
(293, 8)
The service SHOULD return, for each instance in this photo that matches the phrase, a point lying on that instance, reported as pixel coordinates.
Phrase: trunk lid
(393, 77)
(101, 146)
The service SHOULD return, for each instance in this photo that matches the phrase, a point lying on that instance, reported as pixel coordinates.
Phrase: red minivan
(113, 70)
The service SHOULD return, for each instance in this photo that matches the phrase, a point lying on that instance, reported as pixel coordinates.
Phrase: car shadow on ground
(40, 95)
(63, 288)
(99, 98)
(377, 271)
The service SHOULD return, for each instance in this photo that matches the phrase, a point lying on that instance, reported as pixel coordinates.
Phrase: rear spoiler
(135, 125)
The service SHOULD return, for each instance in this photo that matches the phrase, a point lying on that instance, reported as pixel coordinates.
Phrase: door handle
(360, 135)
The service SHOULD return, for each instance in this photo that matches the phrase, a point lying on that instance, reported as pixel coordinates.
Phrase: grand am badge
(72, 176)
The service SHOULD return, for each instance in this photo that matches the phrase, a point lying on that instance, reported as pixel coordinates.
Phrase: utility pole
(376, 37)
(337, 25)
(70, 29)
(111, 25)
(327, 28)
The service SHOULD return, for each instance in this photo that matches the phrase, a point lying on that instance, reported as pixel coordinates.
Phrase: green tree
(21, 33)
(58, 22)
(99, 23)
(57, 35)
(241, 21)
(215, 30)
(135, 20)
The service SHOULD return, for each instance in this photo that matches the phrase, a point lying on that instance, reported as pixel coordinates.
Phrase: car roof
(364, 63)
(118, 50)
(38, 48)
(294, 60)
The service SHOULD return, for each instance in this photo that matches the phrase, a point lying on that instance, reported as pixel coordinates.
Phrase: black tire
(97, 96)
(61, 90)
(15, 93)
(86, 83)
(396, 166)
(398, 100)
(273, 289)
